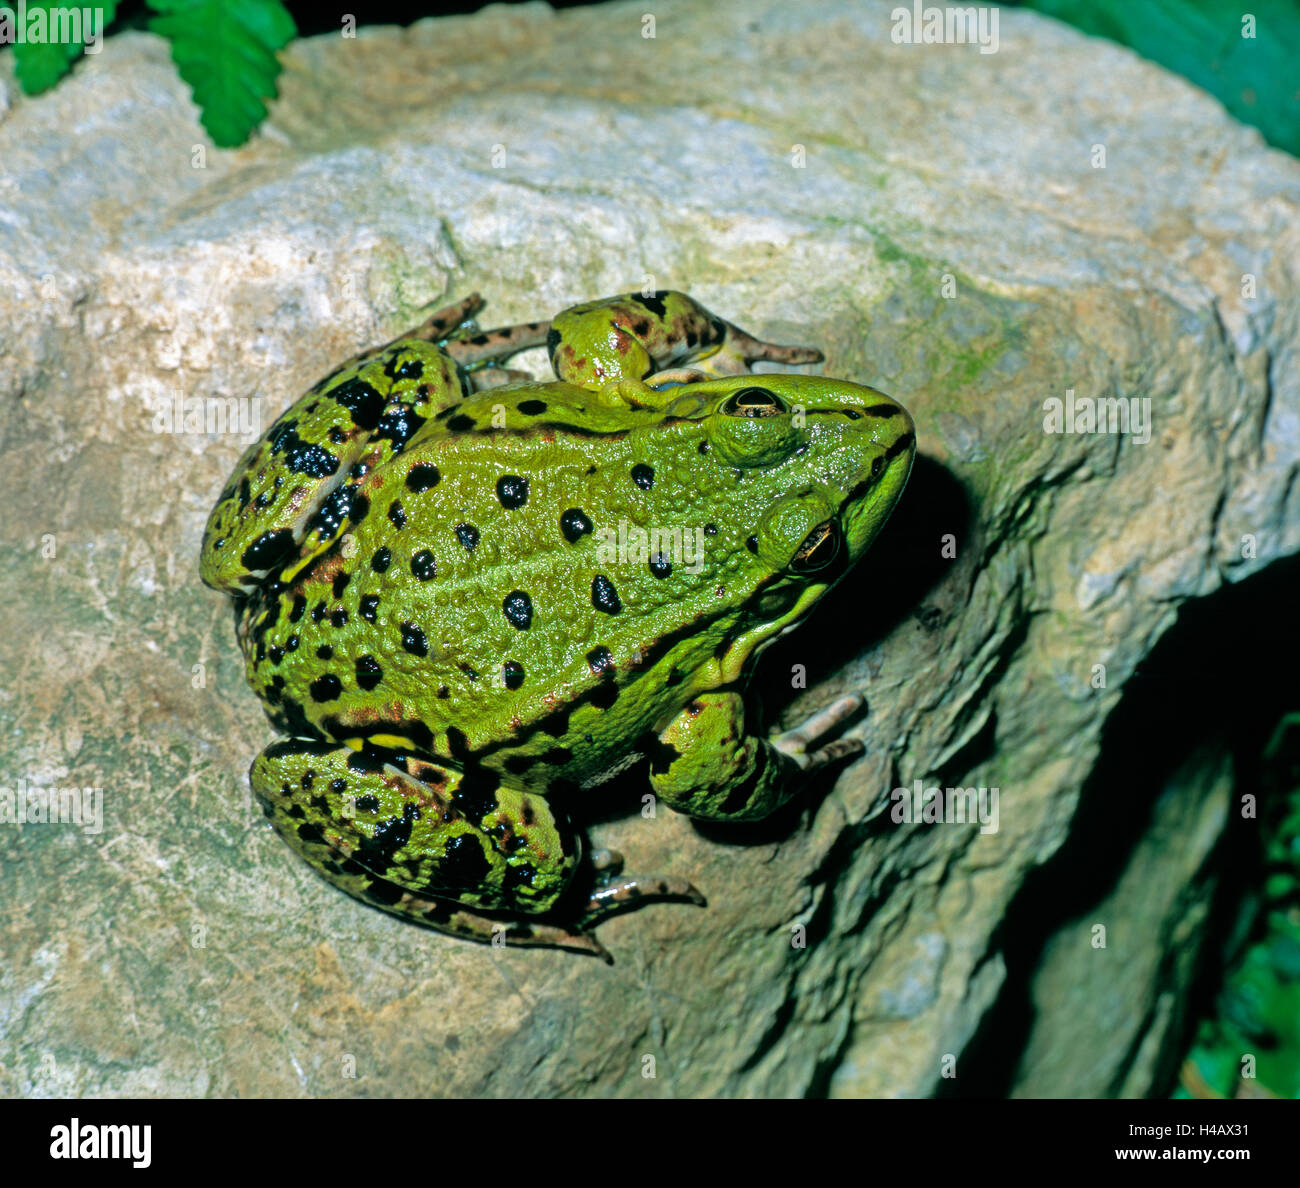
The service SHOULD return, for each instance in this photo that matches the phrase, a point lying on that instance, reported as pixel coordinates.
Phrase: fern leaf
(225, 50)
(40, 64)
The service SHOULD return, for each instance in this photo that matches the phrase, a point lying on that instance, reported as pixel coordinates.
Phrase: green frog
(465, 596)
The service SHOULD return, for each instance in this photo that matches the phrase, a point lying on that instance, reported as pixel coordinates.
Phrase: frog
(467, 598)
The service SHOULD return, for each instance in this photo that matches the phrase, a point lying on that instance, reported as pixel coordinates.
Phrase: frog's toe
(442, 322)
(607, 861)
(794, 743)
(589, 944)
(495, 377)
(740, 350)
(555, 936)
(792, 354)
(458, 921)
(613, 894)
(675, 375)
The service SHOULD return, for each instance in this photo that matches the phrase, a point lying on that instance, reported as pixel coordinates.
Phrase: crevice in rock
(772, 1034)
(1199, 687)
(982, 745)
(823, 1074)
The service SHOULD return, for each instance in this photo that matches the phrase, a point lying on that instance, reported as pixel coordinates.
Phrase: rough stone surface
(1109, 994)
(930, 215)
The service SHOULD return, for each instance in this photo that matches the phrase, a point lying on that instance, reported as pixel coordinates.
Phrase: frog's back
(527, 590)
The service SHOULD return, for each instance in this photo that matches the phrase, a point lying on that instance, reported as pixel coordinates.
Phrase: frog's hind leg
(469, 345)
(474, 349)
(299, 488)
(424, 842)
(615, 891)
(495, 377)
(739, 350)
(441, 324)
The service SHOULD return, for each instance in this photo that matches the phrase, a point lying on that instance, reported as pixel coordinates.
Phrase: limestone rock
(1111, 994)
(930, 215)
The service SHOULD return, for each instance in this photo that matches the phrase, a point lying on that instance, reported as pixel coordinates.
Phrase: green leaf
(40, 64)
(225, 50)
(1249, 65)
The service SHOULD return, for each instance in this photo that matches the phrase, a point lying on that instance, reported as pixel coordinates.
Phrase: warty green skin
(433, 610)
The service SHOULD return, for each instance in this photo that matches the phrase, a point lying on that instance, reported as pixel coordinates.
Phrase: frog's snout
(884, 431)
(900, 440)
(882, 461)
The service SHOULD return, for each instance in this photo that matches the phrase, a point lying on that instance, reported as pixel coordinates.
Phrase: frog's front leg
(423, 841)
(638, 337)
(708, 767)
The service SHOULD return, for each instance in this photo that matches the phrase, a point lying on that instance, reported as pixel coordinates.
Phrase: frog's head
(818, 466)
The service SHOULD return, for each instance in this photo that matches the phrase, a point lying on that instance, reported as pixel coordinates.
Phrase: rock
(1110, 1010)
(939, 227)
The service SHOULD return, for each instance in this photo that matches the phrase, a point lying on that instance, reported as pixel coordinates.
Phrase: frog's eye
(753, 402)
(820, 547)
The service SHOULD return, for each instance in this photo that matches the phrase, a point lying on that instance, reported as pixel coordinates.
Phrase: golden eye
(753, 402)
(820, 547)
